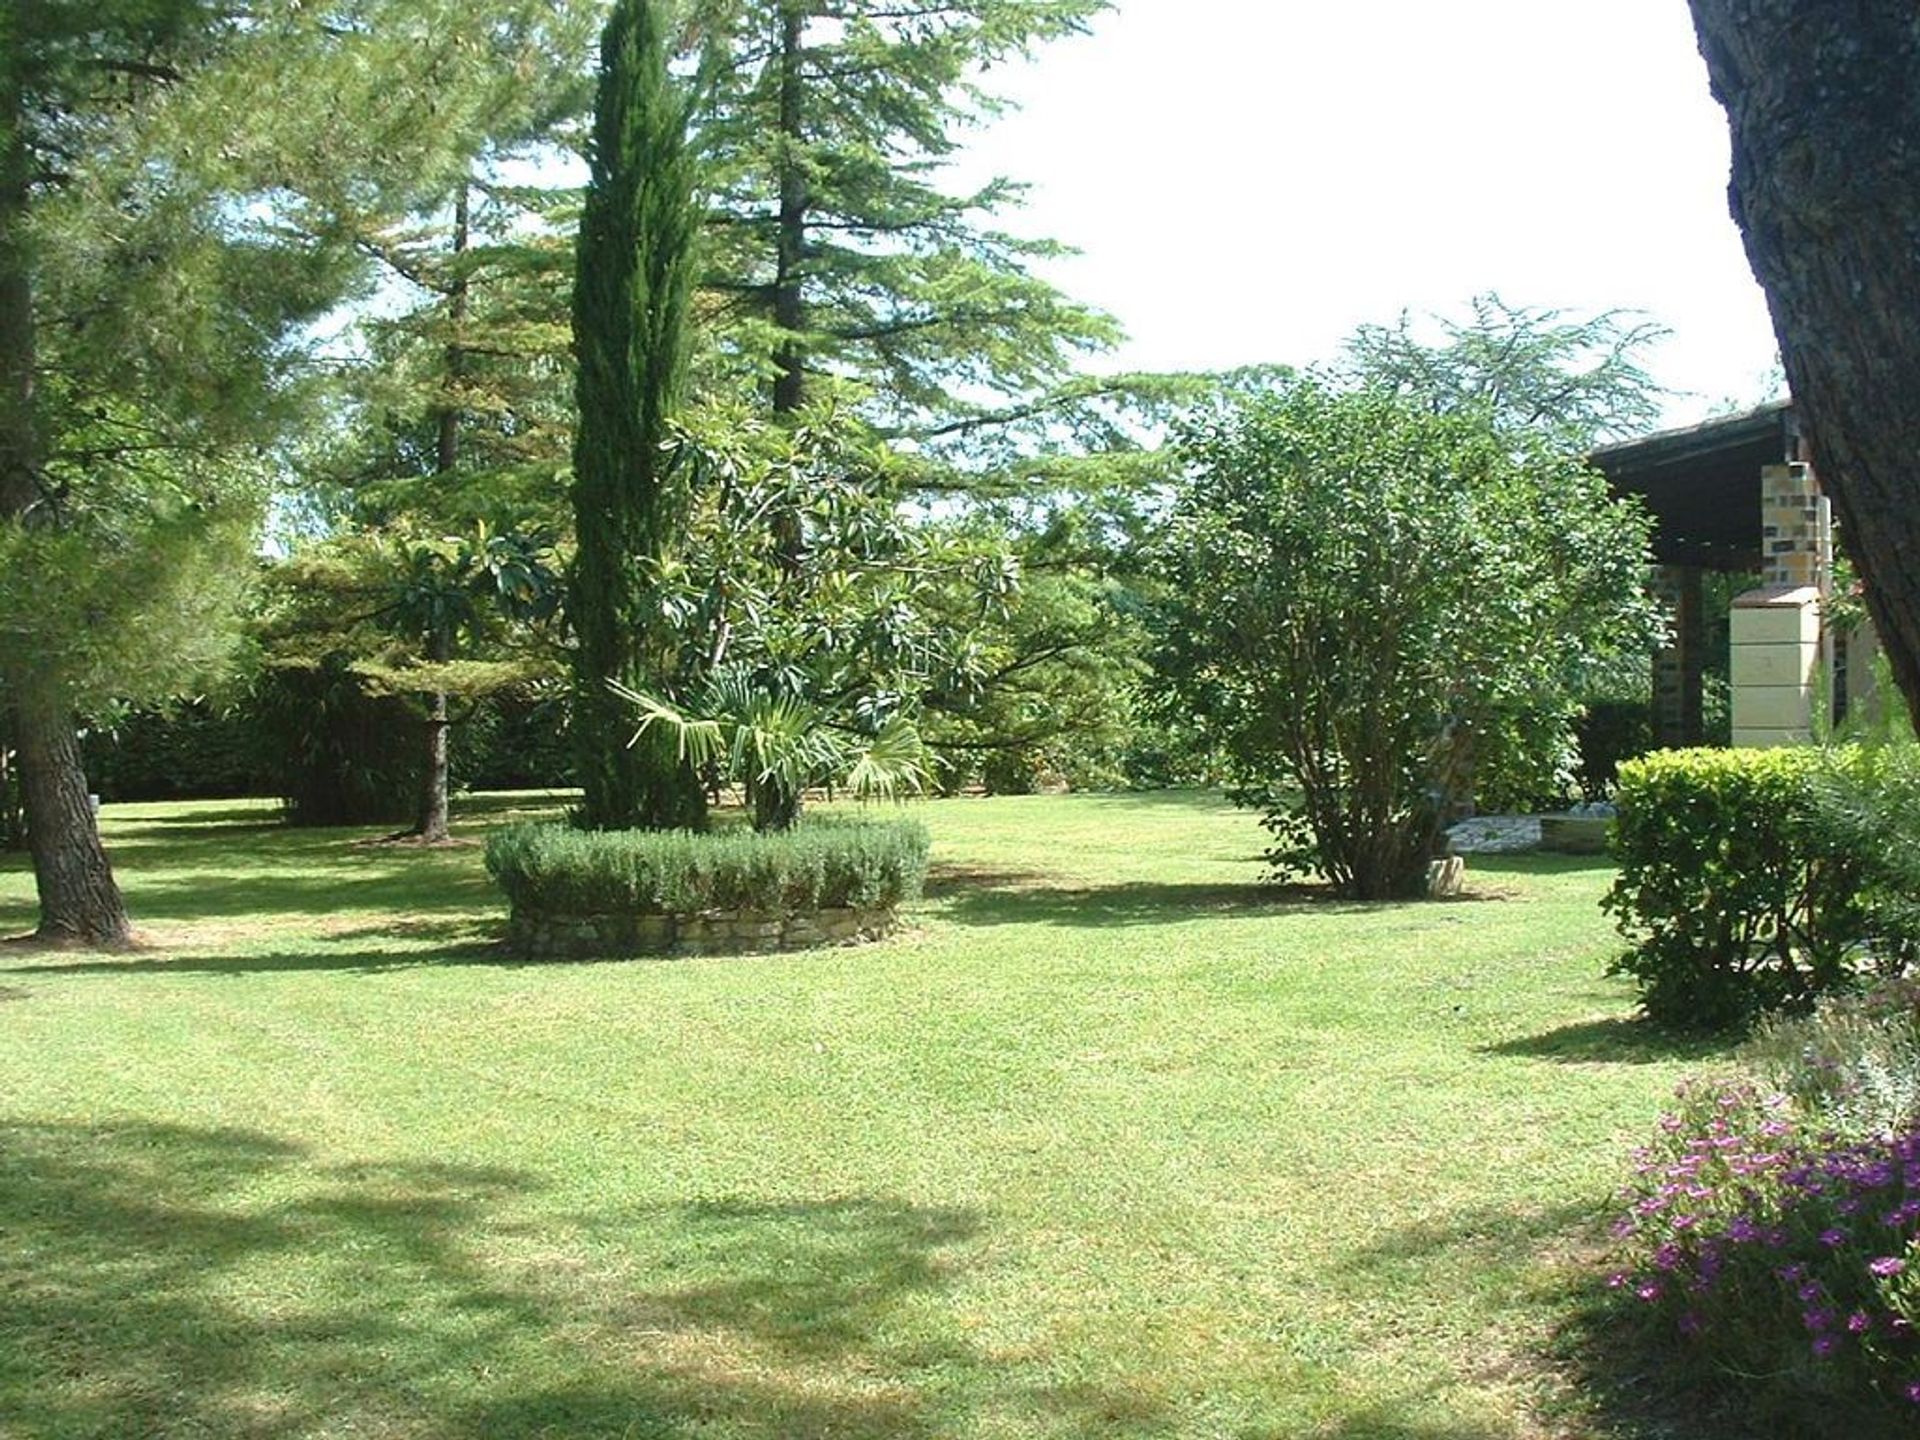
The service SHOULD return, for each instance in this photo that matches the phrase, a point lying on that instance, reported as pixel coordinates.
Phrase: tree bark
(789, 304)
(79, 900)
(1823, 99)
(432, 826)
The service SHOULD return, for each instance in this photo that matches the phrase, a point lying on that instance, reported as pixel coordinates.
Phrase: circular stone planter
(539, 936)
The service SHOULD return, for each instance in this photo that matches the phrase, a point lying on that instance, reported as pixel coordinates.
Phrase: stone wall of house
(719, 932)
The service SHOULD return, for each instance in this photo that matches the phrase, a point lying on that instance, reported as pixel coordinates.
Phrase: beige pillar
(1776, 662)
(1776, 630)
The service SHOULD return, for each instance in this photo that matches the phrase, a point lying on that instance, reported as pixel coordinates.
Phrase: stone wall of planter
(717, 932)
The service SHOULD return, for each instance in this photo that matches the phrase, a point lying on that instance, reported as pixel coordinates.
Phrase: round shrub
(1737, 899)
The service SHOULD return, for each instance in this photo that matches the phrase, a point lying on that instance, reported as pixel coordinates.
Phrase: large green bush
(822, 864)
(1372, 607)
(1740, 893)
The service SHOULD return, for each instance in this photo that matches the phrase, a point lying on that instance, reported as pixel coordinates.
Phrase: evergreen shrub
(1748, 879)
(821, 864)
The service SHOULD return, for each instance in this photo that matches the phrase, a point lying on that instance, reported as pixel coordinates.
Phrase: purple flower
(1886, 1266)
(1833, 1239)
(1825, 1345)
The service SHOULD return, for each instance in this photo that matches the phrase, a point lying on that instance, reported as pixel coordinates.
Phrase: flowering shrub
(1853, 1066)
(1786, 1258)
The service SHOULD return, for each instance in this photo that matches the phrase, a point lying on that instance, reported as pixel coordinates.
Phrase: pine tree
(1823, 101)
(153, 286)
(461, 417)
(834, 252)
(633, 288)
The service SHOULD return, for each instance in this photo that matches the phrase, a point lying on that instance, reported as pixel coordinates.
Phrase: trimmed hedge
(1739, 899)
(822, 865)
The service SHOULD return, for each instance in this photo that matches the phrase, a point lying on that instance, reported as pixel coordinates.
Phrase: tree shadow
(1476, 1240)
(1392, 1422)
(367, 960)
(988, 898)
(1614, 1041)
(1538, 863)
(170, 1281)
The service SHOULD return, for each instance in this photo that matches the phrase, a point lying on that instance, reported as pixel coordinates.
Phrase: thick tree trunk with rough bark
(79, 901)
(1823, 97)
(78, 898)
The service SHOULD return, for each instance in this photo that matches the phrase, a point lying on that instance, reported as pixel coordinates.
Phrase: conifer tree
(836, 249)
(460, 418)
(633, 287)
(154, 284)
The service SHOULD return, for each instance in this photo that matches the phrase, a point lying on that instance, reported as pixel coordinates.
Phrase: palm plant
(777, 745)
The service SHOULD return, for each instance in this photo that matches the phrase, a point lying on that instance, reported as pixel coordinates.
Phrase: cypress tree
(631, 297)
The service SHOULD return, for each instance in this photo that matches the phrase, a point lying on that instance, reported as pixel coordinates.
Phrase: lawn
(1112, 1143)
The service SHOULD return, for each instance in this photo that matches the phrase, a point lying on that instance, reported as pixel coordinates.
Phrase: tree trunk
(79, 901)
(78, 898)
(1823, 99)
(789, 307)
(776, 807)
(13, 825)
(432, 826)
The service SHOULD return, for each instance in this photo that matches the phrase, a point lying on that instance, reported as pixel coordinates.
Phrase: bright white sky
(1250, 179)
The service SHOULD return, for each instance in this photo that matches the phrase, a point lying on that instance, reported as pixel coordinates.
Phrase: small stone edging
(715, 932)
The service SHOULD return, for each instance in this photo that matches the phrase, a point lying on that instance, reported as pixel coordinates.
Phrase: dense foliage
(1366, 597)
(633, 287)
(1755, 880)
(1772, 1229)
(820, 864)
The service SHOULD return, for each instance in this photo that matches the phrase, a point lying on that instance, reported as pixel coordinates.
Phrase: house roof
(1702, 483)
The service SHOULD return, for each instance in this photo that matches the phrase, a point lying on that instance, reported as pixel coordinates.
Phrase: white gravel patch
(1494, 835)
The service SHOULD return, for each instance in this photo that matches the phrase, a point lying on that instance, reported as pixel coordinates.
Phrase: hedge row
(824, 864)
(1757, 880)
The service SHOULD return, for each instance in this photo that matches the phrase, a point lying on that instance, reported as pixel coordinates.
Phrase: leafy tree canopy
(1580, 377)
(1364, 592)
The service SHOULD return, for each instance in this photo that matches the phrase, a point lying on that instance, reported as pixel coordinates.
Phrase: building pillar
(1776, 629)
(1678, 668)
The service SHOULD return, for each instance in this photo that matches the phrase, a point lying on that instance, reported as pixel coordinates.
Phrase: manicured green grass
(1114, 1143)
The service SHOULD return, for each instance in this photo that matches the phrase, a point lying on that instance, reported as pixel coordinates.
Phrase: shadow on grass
(171, 1281)
(1616, 1374)
(1538, 862)
(362, 961)
(981, 898)
(1391, 1422)
(1475, 1241)
(1610, 1042)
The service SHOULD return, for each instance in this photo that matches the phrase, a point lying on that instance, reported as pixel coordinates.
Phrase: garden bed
(584, 895)
(719, 932)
